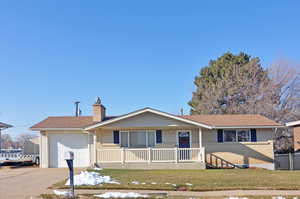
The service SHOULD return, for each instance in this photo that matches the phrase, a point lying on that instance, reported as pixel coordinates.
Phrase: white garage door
(61, 143)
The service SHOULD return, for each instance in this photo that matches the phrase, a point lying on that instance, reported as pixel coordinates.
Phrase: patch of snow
(61, 193)
(135, 182)
(278, 197)
(188, 184)
(236, 197)
(167, 183)
(91, 178)
(153, 183)
(121, 195)
(143, 183)
(97, 169)
(174, 185)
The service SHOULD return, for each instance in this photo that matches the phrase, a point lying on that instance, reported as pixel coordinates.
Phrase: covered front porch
(148, 137)
(158, 147)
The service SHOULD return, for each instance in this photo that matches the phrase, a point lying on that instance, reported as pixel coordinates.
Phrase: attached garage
(59, 143)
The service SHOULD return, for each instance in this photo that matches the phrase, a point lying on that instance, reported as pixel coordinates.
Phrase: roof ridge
(71, 116)
(222, 114)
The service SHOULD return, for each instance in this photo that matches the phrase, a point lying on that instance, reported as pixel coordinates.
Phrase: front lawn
(198, 180)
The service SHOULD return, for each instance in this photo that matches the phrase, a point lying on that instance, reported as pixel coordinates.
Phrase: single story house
(295, 125)
(150, 138)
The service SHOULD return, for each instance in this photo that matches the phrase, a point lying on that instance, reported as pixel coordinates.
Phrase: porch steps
(215, 162)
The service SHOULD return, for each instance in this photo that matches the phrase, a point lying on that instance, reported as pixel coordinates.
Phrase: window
(137, 139)
(243, 135)
(151, 138)
(124, 138)
(237, 135)
(229, 136)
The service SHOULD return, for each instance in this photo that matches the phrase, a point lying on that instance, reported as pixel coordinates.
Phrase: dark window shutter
(220, 135)
(253, 135)
(116, 137)
(158, 136)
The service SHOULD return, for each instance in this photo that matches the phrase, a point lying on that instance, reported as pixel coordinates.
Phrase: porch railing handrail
(127, 155)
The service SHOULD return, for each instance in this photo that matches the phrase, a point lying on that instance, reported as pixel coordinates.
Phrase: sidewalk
(198, 194)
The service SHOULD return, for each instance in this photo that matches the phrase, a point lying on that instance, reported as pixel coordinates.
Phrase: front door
(184, 139)
(184, 143)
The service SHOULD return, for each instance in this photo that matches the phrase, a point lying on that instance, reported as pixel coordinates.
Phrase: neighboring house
(295, 125)
(31, 146)
(150, 138)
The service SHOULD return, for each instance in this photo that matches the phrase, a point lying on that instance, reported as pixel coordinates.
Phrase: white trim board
(57, 129)
(294, 123)
(246, 127)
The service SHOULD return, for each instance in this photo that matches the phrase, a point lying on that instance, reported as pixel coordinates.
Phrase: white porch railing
(127, 155)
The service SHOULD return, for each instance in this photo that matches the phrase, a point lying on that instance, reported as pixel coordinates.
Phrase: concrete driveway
(28, 182)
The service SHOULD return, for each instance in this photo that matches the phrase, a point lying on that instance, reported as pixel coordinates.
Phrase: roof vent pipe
(181, 111)
(77, 110)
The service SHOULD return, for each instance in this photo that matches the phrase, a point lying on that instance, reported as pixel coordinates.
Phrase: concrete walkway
(25, 182)
(200, 194)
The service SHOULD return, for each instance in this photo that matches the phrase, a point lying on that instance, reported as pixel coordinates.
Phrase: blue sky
(130, 53)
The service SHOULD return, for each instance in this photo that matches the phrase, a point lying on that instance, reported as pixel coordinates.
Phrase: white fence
(129, 155)
(288, 161)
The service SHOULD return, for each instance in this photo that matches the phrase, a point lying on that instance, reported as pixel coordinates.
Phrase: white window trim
(177, 137)
(236, 135)
(147, 143)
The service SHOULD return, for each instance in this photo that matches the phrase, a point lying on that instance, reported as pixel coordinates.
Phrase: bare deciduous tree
(6, 141)
(281, 100)
(22, 138)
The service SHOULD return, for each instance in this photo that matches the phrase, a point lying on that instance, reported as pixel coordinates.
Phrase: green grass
(202, 180)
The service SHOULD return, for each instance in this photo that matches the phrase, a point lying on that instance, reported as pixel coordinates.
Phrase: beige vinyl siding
(147, 120)
(168, 139)
(263, 135)
(105, 139)
(260, 152)
(242, 153)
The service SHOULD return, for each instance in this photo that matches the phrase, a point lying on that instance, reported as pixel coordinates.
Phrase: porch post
(149, 155)
(200, 138)
(200, 155)
(95, 146)
(176, 154)
(123, 155)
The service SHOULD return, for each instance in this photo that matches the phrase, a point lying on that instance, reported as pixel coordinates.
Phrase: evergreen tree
(229, 84)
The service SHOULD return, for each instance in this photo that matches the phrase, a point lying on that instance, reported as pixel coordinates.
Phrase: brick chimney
(98, 111)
